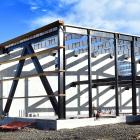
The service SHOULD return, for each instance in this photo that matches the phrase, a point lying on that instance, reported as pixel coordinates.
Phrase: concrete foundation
(54, 124)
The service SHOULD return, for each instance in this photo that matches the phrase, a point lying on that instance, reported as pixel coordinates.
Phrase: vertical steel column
(139, 98)
(89, 74)
(116, 37)
(120, 99)
(26, 93)
(133, 70)
(61, 75)
(1, 95)
(78, 91)
(97, 92)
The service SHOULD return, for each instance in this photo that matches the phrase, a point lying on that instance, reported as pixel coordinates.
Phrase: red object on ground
(15, 125)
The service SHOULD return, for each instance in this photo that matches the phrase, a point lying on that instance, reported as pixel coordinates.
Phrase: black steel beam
(14, 84)
(44, 80)
(116, 73)
(122, 81)
(26, 94)
(105, 80)
(120, 84)
(127, 36)
(1, 95)
(133, 70)
(89, 74)
(61, 76)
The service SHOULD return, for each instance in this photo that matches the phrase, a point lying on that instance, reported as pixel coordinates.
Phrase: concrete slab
(54, 124)
(73, 123)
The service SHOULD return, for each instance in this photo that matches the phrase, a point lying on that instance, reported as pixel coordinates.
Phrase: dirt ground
(104, 132)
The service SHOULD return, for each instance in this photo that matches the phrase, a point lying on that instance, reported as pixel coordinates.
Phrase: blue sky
(21, 16)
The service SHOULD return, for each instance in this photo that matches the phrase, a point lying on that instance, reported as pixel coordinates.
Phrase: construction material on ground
(15, 125)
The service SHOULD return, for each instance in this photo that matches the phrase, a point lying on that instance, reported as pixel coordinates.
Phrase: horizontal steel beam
(122, 81)
(45, 73)
(31, 41)
(82, 30)
(39, 96)
(47, 51)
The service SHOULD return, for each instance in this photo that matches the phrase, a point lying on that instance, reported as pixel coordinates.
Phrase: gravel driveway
(104, 132)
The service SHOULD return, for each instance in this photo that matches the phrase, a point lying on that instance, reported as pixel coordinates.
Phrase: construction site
(61, 76)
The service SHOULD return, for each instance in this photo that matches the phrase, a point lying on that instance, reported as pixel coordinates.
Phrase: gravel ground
(104, 132)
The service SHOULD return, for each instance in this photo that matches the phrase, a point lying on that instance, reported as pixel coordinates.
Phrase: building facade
(66, 70)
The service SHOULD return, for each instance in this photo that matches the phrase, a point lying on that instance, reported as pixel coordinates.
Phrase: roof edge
(31, 33)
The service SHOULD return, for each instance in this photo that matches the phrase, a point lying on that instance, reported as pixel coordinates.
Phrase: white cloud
(44, 20)
(33, 8)
(68, 1)
(43, 10)
(115, 15)
(34, 4)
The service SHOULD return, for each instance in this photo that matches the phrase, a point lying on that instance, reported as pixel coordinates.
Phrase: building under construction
(63, 71)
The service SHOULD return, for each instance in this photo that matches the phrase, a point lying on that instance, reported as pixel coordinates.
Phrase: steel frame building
(115, 44)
